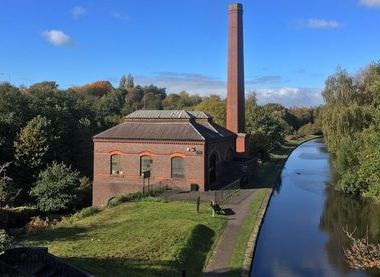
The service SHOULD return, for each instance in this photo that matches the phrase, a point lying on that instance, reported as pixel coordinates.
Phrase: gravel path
(220, 259)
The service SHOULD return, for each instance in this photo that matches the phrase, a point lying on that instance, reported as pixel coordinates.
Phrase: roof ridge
(199, 133)
(212, 126)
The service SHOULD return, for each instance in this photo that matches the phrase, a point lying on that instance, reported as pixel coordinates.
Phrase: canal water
(303, 229)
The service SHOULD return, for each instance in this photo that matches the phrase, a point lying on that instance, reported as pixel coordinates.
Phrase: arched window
(177, 168)
(115, 167)
(145, 164)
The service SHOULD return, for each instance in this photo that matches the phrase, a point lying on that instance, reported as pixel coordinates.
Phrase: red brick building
(178, 148)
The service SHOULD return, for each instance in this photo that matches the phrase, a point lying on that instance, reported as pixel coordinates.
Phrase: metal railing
(224, 194)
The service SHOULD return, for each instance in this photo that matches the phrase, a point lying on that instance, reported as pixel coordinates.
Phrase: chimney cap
(235, 6)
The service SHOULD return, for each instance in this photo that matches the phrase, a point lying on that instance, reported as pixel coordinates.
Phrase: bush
(38, 224)
(136, 196)
(6, 240)
(362, 254)
(85, 212)
(84, 193)
(259, 144)
(310, 129)
(56, 188)
(16, 217)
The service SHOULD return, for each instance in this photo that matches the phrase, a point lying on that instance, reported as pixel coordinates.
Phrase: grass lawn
(145, 238)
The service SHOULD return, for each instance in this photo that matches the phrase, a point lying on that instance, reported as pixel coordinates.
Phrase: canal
(303, 229)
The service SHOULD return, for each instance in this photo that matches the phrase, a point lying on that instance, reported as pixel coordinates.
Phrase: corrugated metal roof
(180, 129)
(152, 131)
(167, 114)
(177, 128)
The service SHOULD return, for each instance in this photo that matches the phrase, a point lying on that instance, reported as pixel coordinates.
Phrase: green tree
(14, 113)
(33, 143)
(214, 106)
(265, 129)
(129, 82)
(350, 121)
(8, 192)
(123, 83)
(56, 188)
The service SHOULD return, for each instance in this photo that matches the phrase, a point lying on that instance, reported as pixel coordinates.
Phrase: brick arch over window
(115, 165)
(216, 154)
(177, 167)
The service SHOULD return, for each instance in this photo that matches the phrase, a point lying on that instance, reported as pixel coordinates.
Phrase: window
(116, 165)
(145, 164)
(177, 168)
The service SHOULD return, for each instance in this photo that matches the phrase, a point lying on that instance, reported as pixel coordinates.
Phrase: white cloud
(370, 3)
(290, 96)
(206, 85)
(191, 82)
(78, 11)
(57, 37)
(317, 23)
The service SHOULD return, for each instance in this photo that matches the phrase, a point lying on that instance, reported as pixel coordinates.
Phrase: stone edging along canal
(252, 242)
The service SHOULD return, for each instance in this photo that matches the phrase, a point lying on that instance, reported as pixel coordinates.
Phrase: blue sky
(291, 46)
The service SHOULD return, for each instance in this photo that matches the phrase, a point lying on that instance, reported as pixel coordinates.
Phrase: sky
(290, 46)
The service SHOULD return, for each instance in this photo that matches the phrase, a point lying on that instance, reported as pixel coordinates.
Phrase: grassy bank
(144, 238)
(267, 176)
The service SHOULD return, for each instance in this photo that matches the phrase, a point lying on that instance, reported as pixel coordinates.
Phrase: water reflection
(302, 234)
(345, 213)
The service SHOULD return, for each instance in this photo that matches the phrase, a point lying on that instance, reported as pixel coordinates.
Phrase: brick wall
(106, 185)
(220, 149)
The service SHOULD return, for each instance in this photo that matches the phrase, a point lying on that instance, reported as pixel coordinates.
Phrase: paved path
(220, 259)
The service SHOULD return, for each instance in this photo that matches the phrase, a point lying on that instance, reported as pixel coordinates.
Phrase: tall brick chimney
(235, 78)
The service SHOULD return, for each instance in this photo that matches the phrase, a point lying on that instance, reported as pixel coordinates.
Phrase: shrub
(16, 217)
(362, 254)
(38, 224)
(310, 129)
(136, 196)
(8, 191)
(85, 212)
(56, 188)
(6, 240)
(84, 193)
(259, 144)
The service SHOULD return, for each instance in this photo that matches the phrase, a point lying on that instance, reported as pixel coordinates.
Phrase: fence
(222, 195)
(154, 189)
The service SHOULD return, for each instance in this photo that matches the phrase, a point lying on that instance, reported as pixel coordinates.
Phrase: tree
(351, 125)
(264, 128)
(44, 86)
(8, 192)
(33, 143)
(214, 106)
(14, 112)
(98, 88)
(123, 83)
(129, 82)
(56, 188)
